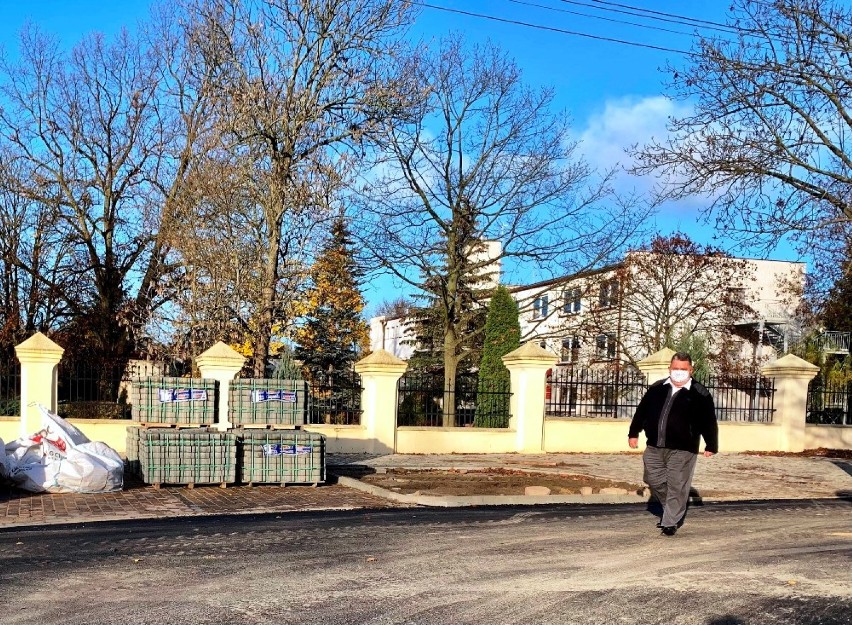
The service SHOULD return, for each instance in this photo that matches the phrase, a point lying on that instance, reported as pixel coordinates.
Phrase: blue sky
(612, 91)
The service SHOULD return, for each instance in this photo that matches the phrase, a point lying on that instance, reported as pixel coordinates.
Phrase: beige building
(392, 334)
(744, 308)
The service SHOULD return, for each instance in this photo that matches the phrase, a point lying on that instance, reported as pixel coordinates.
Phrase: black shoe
(669, 531)
(679, 524)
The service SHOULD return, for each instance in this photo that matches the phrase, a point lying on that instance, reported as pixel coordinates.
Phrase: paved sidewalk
(140, 501)
(723, 477)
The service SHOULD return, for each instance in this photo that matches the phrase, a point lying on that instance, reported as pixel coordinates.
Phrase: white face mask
(679, 376)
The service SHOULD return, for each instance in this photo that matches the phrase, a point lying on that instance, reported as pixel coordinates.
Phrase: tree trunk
(266, 313)
(266, 310)
(451, 363)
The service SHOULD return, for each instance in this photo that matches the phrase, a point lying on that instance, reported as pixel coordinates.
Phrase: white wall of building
(392, 334)
(765, 285)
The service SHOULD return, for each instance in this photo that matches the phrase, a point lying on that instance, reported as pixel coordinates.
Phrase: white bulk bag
(60, 459)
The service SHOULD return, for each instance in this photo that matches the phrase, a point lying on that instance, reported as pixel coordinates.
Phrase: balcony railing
(834, 342)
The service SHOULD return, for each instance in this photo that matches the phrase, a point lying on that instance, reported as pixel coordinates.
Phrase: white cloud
(623, 123)
(634, 121)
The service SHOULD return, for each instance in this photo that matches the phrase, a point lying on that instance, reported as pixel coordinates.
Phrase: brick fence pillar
(221, 363)
(380, 372)
(792, 375)
(528, 367)
(39, 357)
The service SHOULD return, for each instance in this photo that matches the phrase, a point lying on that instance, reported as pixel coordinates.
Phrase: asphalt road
(731, 564)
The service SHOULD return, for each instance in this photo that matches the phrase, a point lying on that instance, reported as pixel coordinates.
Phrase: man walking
(675, 414)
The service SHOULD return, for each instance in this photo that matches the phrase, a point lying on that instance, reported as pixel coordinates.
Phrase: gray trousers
(668, 473)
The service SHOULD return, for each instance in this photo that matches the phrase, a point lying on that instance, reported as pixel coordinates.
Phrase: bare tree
(30, 245)
(221, 282)
(100, 141)
(673, 288)
(298, 80)
(218, 260)
(185, 108)
(395, 308)
(82, 131)
(768, 137)
(479, 157)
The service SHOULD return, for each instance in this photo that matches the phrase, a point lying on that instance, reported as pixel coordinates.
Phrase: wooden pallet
(172, 426)
(158, 485)
(308, 484)
(268, 426)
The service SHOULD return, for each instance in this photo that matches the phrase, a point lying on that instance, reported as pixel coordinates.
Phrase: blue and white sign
(277, 449)
(171, 395)
(260, 396)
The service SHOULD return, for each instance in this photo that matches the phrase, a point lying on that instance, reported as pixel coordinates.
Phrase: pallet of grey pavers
(266, 402)
(164, 400)
(280, 457)
(131, 452)
(189, 456)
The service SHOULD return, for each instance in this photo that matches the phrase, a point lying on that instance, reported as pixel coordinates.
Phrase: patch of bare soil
(495, 481)
(821, 452)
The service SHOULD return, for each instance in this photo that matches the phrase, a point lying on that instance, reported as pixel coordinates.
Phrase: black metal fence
(585, 393)
(101, 391)
(747, 398)
(829, 403)
(576, 392)
(10, 388)
(86, 391)
(335, 399)
(422, 397)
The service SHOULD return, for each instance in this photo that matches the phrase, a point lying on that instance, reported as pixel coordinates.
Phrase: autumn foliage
(333, 333)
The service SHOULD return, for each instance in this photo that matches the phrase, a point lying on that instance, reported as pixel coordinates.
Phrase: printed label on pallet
(260, 396)
(278, 449)
(171, 395)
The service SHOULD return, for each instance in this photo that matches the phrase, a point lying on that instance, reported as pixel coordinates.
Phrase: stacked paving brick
(132, 451)
(281, 457)
(187, 456)
(267, 402)
(175, 401)
(201, 455)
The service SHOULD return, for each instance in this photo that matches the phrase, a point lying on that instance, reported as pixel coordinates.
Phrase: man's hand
(634, 443)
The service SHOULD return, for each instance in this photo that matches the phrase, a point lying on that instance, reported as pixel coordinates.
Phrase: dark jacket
(692, 416)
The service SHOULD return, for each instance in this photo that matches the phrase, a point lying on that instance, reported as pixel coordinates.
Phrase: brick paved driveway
(139, 501)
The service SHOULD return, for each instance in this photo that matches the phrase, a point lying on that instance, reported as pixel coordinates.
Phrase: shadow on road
(843, 465)
(655, 508)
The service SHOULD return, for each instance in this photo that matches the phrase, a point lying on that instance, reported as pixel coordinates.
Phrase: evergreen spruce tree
(502, 335)
(333, 334)
(449, 388)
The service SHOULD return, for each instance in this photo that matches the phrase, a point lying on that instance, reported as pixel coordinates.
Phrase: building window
(571, 349)
(604, 398)
(540, 307)
(736, 296)
(571, 301)
(609, 293)
(605, 346)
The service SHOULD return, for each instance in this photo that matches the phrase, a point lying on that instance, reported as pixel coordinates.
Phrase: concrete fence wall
(528, 432)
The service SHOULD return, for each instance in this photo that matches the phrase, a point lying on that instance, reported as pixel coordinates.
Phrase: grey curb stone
(460, 501)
